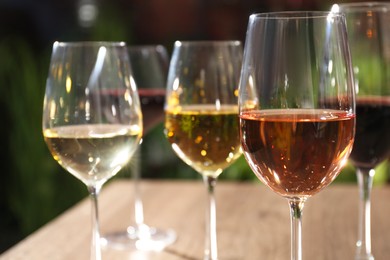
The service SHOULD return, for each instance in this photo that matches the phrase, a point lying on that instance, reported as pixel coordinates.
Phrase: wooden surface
(253, 223)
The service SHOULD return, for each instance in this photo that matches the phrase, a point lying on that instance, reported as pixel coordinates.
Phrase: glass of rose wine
(296, 105)
(92, 120)
(201, 121)
(149, 65)
(369, 41)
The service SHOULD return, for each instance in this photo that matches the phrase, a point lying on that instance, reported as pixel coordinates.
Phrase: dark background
(33, 187)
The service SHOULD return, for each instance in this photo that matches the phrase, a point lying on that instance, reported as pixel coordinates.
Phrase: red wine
(152, 105)
(296, 152)
(372, 139)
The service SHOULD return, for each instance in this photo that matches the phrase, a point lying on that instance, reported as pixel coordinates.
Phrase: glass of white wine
(201, 121)
(92, 120)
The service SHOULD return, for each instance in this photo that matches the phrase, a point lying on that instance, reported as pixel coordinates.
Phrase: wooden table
(253, 223)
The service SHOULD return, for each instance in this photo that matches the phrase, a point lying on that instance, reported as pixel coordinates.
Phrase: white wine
(93, 153)
(205, 138)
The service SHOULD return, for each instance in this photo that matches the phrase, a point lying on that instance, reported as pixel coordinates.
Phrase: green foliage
(35, 185)
(110, 25)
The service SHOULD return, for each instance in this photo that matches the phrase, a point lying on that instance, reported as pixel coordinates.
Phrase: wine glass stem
(296, 210)
(211, 251)
(138, 206)
(95, 245)
(365, 179)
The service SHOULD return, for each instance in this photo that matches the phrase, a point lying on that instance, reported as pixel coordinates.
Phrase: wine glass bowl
(201, 121)
(92, 121)
(296, 105)
(213, 139)
(92, 153)
(300, 151)
(369, 41)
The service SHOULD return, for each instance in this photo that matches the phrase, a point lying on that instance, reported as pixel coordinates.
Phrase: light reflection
(250, 80)
(87, 13)
(87, 110)
(128, 97)
(59, 71)
(113, 110)
(97, 161)
(52, 110)
(121, 159)
(334, 10)
(218, 104)
(127, 81)
(133, 85)
(230, 157)
(333, 82)
(68, 84)
(285, 81)
(276, 176)
(55, 45)
(93, 79)
(330, 66)
(175, 84)
(180, 153)
(178, 43)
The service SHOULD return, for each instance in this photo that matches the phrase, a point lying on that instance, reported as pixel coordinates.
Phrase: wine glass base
(364, 257)
(144, 238)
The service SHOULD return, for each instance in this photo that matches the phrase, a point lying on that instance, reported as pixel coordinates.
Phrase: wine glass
(149, 65)
(369, 41)
(92, 120)
(150, 68)
(201, 114)
(296, 105)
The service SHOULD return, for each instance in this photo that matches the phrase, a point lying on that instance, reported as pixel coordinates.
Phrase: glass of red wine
(149, 65)
(296, 105)
(369, 41)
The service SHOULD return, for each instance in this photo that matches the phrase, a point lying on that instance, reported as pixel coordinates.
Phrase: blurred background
(34, 188)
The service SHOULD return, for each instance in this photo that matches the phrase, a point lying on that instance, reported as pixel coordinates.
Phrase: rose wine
(205, 138)
(296, 152)
(372, 140)
(92, 153)
(152, 105)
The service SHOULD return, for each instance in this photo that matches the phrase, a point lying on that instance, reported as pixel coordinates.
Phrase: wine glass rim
(364, 6)
(146, 46)
(90, 43)
(209, 43)
(295, 15)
